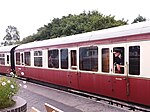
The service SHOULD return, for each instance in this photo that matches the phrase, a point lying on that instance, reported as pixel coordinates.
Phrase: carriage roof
(126, 30)
(6, 48)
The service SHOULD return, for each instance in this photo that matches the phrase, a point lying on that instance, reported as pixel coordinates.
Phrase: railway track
(109, 101)
(105, 100)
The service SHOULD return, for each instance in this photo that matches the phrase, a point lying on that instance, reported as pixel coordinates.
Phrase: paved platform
(37, 95)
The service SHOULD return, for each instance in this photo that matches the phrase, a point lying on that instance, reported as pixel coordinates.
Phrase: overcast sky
(29, 15)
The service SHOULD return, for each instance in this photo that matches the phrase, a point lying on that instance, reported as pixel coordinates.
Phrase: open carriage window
(118, 60)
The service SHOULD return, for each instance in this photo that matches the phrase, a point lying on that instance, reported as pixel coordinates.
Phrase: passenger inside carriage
(50, 63)
(117, 61)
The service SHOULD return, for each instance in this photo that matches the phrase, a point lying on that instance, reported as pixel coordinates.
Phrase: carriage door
(73, 74)
(119, 71)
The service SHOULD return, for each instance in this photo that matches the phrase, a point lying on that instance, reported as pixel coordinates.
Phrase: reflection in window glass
(27, 58)
(134, 60)
(38, 58)
(2, 59)
(64, 58)
(37, 53)
(73, 58)
(105, 60)
(17, 58)
(88, 57)
(53, 58)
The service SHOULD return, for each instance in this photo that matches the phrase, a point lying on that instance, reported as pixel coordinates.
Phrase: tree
(75, 24)
(12, 36)
(139, 19)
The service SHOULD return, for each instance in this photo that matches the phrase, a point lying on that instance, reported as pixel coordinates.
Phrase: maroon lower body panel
(5, 69)
(135, 89)
(139, 91)
(106, 85)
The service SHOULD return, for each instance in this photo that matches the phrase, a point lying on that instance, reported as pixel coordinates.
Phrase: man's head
(117, 52)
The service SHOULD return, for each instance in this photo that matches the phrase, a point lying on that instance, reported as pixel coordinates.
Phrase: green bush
(8, 88)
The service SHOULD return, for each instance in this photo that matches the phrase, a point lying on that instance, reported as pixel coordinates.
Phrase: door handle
(120, 79)
(124, 78)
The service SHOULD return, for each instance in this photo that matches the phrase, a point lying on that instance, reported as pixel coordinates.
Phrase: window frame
(124, 45)
(97, 65)
(17, 58)
(129, 60)
(8, 59)
(67, 64)
(109, 59)
(2, 56)
(122, 60)
(38, 56)
(58, 58)
(25, 59)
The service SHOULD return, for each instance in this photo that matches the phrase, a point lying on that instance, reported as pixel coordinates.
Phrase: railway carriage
(112, 62)
(7, 59)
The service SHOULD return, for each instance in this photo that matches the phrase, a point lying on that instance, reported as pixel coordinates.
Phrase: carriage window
(88, 58)
(22, 59)
(64, 58)
(105, 60)
(73, 58)
(134, 60)
(118, 60)
(2, 59)
(7, 59)
(17, 58)
(27, 58)
(53, 58)
(38, 58)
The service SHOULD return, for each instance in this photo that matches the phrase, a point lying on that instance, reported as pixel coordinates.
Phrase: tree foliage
(12, 36)
(74, 24)
(139, 19)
